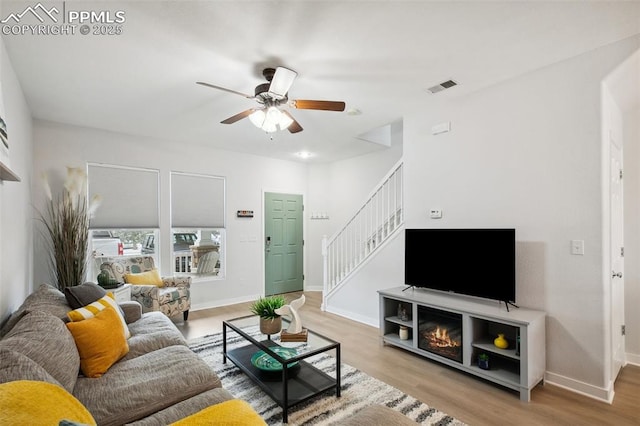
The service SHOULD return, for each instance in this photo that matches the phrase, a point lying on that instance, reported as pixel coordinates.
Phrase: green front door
(283, 243)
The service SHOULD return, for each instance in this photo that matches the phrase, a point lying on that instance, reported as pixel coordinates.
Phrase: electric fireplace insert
(440, 332)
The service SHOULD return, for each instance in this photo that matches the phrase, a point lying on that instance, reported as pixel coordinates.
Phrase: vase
(501, 342)
(270, 326)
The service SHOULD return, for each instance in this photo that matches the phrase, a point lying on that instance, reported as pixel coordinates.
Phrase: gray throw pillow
(84, 294)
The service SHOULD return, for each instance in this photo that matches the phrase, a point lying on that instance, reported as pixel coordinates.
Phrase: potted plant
(265, 308)
(66, 221)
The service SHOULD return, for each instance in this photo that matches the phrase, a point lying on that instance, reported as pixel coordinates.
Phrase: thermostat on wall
(435, 213)
(245, 213)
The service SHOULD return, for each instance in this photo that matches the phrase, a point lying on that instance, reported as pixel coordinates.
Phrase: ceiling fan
(271, 95)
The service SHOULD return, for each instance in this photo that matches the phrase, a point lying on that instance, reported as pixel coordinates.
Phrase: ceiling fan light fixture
(257, 118)
(285, 121)
(270, 120)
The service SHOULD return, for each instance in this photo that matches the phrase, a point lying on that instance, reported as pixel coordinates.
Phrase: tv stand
(520, 367)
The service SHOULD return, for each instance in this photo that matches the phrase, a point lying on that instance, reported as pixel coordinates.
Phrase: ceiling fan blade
(238, 117)
(294, 127)
(224, 89)
(281, 82)
(318, 105)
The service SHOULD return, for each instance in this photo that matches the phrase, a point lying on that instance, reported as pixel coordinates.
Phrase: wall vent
(442, 86)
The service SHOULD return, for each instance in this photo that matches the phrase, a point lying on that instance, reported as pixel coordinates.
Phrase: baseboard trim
(224, 302)
(313, 288)
(591, 391)
(633, 359)
(358, 318)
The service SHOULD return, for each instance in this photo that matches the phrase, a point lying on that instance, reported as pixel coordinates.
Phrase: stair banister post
(325, 272)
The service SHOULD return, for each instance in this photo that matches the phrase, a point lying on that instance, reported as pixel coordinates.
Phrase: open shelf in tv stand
(481, 321)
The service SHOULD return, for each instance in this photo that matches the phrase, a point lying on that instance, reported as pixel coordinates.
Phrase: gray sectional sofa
(158, 382)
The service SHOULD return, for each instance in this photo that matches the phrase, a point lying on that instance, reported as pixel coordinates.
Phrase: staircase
(379, 218)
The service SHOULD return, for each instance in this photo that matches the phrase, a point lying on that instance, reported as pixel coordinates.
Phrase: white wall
(16, 224)
(57, 146)
(632, 233)
(339, 189)
(527, 154)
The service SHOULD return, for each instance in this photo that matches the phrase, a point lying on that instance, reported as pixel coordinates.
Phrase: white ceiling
(378, 57)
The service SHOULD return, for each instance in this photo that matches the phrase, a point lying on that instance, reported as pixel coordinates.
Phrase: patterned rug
(359, 390)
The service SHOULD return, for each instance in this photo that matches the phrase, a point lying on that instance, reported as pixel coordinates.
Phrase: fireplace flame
(440, 338)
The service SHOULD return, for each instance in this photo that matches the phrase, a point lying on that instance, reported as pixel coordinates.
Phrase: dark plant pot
(483, 362)
(270, 326)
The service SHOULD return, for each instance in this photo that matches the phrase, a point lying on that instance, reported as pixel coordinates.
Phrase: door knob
(616, 274)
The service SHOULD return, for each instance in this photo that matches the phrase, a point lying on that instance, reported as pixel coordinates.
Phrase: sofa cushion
(46, 340)
(27, 402)
(168, 295)
(45, 298)
(185, 408)
(138, 387)
(151, 332)
(131, 310)
(151, 277)
(94, 308)
(16, 366)
(235, 412)
(83, 294)
(100, 341)
(117, 267)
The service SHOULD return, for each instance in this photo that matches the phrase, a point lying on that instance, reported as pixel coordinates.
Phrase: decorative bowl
(266, 362)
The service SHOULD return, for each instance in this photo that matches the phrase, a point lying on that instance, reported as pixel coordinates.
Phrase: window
(105, 244)
(198, 224)
(128, 213)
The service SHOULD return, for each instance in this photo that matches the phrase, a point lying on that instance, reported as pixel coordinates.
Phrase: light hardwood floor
(465, 397)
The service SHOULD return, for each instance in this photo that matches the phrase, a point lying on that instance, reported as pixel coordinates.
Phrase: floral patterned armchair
(172, 297)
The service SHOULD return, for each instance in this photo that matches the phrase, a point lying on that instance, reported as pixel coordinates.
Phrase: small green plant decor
(265, 308)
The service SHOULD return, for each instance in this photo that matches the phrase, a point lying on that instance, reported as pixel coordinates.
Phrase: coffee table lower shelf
(304, 381)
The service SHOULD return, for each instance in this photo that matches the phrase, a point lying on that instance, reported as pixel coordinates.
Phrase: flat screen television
(474, 262)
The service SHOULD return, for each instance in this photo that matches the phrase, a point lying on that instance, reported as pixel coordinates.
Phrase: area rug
(359, 390)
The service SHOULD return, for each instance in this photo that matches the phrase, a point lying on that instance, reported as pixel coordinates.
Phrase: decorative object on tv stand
(404, 332)
(265, 308)
(483, 361)
(403, 312)
(501, 342)
(66, 220)
(295, 332)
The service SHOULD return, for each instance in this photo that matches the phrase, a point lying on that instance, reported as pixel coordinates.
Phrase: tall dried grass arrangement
(66, 219)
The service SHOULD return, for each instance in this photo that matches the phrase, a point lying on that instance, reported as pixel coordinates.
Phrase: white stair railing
(378, 218)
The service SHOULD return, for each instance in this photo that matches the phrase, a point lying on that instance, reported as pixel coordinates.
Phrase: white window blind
(197, 201)
(129, 196)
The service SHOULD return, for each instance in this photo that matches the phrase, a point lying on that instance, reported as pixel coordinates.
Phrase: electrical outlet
(577, 247)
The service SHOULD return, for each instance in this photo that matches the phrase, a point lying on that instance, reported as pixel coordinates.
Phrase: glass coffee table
(263, 356)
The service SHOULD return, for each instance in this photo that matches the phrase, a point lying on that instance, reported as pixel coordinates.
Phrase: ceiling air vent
(442, 86)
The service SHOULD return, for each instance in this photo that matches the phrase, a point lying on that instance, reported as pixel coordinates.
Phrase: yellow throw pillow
(100, 342)
(92, 310)
(234, 412)
(151, 277)
(26, 402)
